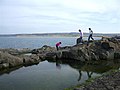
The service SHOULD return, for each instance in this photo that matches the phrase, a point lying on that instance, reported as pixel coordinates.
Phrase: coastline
(104, 49)
(72, 34)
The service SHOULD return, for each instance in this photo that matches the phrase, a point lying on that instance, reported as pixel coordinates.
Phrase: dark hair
(89, 28)
(60, 42)
(79, 30)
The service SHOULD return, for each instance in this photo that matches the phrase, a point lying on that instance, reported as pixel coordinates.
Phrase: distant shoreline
(57, 35)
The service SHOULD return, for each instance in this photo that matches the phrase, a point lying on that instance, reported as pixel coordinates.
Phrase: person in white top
(81, 36)
(90, 35)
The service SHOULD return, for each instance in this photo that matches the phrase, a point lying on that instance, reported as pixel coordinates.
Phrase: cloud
(65, 15)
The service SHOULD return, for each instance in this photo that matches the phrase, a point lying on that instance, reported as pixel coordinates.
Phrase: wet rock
(65, 48)
(106, 46)
(76, 53)
(7, 60)
(50, 56)
(13, 51)
(42, 56)
(93, 56)
(35, 51)
(4, 65)
(117, 55)
(32, 59)
(66, 54)
(58, 54)
(43, 49)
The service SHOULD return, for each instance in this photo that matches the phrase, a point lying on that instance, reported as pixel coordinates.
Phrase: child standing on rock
(90, 35)
(81, 36)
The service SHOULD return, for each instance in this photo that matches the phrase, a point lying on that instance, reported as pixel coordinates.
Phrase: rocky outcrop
(77, 52)
(117, 55)
(104, 49)
(47, 52)
(44, 49)
(13, 51)
(117, 37)
(8, 61)
(32, 59)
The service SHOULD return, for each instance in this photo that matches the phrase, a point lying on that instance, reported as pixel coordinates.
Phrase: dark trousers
(57, 47)
(81, 40)
(90, 36)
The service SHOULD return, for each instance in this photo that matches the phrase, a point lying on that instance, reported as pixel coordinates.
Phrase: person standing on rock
(57, 45)
(90, 35)
(81, 36)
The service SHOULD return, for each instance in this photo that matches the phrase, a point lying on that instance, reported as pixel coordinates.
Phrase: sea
(35, 42)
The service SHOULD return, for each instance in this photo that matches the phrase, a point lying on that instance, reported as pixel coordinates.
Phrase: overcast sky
(48, 16)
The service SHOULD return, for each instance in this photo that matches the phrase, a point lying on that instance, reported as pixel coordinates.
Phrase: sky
(57, 16)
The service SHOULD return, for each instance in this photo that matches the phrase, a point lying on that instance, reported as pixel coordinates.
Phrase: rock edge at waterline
(104, 49)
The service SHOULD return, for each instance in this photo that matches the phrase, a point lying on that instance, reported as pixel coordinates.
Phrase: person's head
(79, 30)
(60, 42)
(89, 28)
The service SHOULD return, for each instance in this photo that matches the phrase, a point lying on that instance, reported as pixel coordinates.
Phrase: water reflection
(54, 75)
(90, 67)
(80, 75)
(96, 66)
(9, 70)
(89, 75)
(58, 62)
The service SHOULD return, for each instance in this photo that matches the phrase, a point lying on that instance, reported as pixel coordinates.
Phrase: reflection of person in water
(80, 75)
(89, 74)
(58, 64)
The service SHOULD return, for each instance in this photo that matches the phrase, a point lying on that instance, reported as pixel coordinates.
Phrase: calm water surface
(36, 42)
(44, 76)
(33, 42)
(53, 75)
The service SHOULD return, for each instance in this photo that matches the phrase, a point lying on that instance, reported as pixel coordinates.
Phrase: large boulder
(47, 52)
(7, 60)
(32, 59)
(53, 55)
(111, 43)
(78, 52)
(101, 51)
(44, 49)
